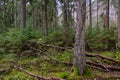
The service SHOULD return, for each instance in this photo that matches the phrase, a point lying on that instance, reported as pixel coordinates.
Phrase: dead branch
(105, 67)
(88, 55)
(98, 68)
(102, 57)
(57, 47)
(35, 75)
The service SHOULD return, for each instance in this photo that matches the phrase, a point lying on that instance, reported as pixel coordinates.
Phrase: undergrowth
(11, 44)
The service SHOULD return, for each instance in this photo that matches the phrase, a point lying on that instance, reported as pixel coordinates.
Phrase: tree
(118, 23)
(107, 13)
(23, 13)
(90, 14)
(79, 48)
(106, 16)
(97, 15)
(55, 14)
(46, 18)
(15, 13)
(65, 19)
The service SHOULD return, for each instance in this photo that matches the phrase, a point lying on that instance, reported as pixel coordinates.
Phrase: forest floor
(51, 61)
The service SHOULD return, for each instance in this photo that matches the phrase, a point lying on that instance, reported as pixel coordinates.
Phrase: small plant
(63, 75)
(88, 72)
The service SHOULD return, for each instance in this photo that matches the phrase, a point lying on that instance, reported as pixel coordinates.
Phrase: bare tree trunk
(118, 28)
(65, 20)
(79, 48)
(15, 13)
(46, 18)
(23, 13)
(106, 16)
(33, 17)
(90, 14)
(55, 17)
(97, 15)
(39, 19)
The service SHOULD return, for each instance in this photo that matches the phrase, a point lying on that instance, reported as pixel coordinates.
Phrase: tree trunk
(56, 13)
(65, 20)
(39, 19)
(33, 17)
(106, 16)
(23, 13)
(90, 14)
(46, 18)
(79, 48)
(118, 24)
(97, 16)
(15, 13)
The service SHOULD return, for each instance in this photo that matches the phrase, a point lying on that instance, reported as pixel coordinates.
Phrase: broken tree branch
(105, 67)
(35, 75)
(102, 57)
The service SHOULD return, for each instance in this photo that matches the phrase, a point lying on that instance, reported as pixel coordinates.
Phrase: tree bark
(79, 48)
(118, 28)
(90, 14)
(23, 13)
(33, 17)
(106, 16)
(97, 16)
(65, 23)
(15, 13)
(46, 18)
(56, 13)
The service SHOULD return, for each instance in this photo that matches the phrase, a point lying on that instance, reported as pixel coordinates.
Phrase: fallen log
(102, 57)
(36, 75)
(98, 68)
(47, 45)
(57, 47)
(105, 67)
(88, 55)
(115, 68)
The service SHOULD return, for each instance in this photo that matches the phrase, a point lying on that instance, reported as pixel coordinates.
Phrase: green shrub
(57, 38)
(2, 28)
(100, 40)
(11, 41)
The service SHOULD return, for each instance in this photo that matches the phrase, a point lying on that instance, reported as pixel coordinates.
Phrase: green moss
(63, 75)
(75, 78)
(88, 73)
(75, 71)
(75, 74)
